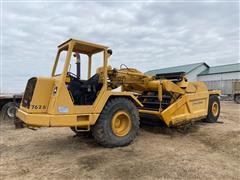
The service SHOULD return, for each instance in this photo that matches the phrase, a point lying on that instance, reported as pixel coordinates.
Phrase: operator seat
(85, 92)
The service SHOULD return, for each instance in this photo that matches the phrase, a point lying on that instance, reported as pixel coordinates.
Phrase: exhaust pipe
(78, 64)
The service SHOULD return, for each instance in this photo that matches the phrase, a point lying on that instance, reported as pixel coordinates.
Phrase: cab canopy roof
(82, 47)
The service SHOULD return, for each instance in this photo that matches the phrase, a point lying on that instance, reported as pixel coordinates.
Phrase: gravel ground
(200, 151)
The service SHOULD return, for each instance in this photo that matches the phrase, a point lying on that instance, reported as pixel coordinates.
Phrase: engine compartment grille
(27, 98)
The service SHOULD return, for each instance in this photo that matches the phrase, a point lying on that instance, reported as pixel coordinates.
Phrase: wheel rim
(11, 112)
(215, 109)
(121, 124)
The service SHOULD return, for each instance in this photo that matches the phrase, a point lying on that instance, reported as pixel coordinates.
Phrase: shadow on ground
(161, 128)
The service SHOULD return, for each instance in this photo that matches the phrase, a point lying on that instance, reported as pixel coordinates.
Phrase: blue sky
(145, 35)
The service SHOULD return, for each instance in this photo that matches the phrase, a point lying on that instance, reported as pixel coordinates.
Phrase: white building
(225, 78)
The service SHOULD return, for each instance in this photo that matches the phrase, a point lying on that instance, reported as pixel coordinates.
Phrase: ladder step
(146, 96)
(148, 108)
(151, 96)
(151, 103)
(163, 103)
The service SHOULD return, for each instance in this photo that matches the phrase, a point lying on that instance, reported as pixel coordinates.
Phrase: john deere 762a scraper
(67, 100)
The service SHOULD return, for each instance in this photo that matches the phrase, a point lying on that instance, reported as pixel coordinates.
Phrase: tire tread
(103, 135)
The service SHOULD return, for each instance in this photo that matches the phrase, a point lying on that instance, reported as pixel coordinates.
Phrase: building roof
(183, 68)
(221, 69)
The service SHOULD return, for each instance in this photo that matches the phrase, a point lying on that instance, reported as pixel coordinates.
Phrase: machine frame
(81, 116)
(112, 117)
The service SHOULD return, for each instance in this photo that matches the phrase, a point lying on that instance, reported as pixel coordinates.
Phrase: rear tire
(118, 124)
(213, 109)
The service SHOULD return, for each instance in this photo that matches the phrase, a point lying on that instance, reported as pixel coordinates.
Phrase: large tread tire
(9, 110)
(102, 130)
(211, 118)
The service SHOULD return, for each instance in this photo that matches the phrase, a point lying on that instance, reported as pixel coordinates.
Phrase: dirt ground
(201, 151)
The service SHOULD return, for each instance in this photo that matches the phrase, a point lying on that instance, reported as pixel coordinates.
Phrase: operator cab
(83, 92)
(76, 62)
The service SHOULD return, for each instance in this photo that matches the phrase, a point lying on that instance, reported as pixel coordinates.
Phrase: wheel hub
(215, 109)
(11, 111)
(121, 124)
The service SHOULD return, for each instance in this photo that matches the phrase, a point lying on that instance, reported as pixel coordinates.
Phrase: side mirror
(78, 64)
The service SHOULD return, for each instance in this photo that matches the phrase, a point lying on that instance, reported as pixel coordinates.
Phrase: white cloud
(143, 35)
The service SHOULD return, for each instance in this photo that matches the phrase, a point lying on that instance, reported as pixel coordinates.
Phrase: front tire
(118, 124)
(213, 109)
